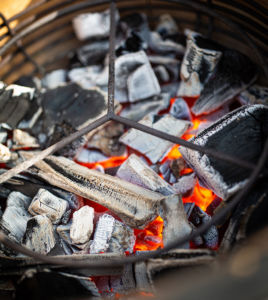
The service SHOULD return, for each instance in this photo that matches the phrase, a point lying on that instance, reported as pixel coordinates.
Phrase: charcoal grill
(43, 41)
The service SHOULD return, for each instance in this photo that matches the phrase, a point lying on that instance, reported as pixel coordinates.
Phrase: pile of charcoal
(100, 192)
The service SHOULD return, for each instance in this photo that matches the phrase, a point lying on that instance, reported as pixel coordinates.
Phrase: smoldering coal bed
(117, 191)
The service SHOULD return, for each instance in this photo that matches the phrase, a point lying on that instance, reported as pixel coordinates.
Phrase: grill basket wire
(43, 40)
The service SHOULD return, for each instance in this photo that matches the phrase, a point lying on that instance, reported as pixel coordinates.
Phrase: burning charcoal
(82, 226)
(39, 235)
(185, 185)
(136, 111)
(153, 147)
(162, 74)
(93, 53)
(136, 206)
(188, 208)
(90, 156)
(74, 105)
(180, 110)
(14, 103)
(200, 59)
(175, 220)
(99, 24)
(23, 139)
(15, 216)
(234, 73)
(112, 236)
(46, 203)
(125, 65)
(106, 139)
(229, 135)
(142, 83)
(134, 170)
(158, 45)
(167, 25)
(61, 131)
(137, 23)
(5, 154)
(211, 237)
(54, 79)
(255, 94)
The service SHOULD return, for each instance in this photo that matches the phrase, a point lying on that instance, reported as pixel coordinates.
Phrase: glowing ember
(200, 196)
(150, 238)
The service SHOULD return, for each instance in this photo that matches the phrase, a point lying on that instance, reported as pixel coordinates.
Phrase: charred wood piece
(46, 203)
(39, 235)
(153, 147)
(255, 94)
(176, 224)
(234, 73)
(199, 61)
(232, 136)
(136, 206)
(135, 170)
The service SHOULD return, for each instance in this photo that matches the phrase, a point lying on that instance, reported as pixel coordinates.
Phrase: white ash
(125, 67)
(185, 184)
(46, 203)
(54, 79)
(153, 147)
(39, 235)
(90, 156)
(15, 217)
(161, 46)
(196, 59)
(18, 90)
(176, 224)
(93, 25)
(136, 111)
(112, 236)
(82, 225)
(167, 25)
(212, 178)
(5, 154)
(142, 83)
(134, 170)
(23, 139)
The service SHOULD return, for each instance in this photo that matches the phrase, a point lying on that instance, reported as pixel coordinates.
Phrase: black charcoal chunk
(39, 235)
(62, 130)
(137, 22)
(15, 101)
(133, 43)
(29, 81)
(234, 73)
(93, 53)
(200, 59)
(255, 94)
(180, 110)
(73, 104)
(241, 133)
(188, 208)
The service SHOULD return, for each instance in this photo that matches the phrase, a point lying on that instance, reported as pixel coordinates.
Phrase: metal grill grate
(256, 170)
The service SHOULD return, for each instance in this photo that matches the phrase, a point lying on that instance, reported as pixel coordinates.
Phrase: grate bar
(111, 59)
